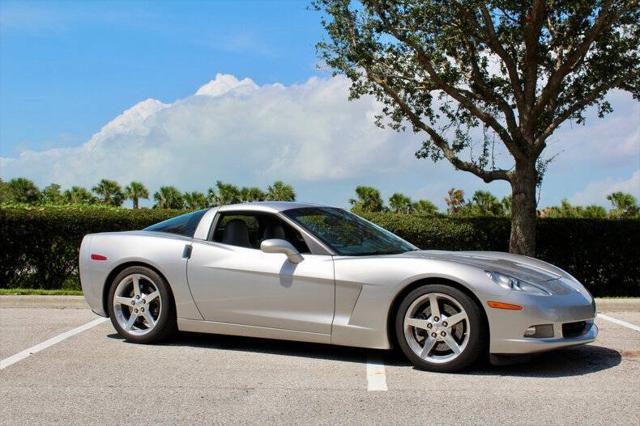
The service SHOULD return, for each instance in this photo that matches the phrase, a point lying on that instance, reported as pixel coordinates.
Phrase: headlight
(511, 283)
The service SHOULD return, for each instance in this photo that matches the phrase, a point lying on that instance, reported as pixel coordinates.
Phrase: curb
(618, 305)
(50, 302)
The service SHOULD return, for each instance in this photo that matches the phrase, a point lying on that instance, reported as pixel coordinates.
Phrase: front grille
(574, 329)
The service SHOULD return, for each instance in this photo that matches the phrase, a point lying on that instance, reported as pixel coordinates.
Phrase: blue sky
(75, 65)
(69, 68)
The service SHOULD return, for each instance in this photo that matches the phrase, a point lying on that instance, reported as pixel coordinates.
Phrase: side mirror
(281, 246)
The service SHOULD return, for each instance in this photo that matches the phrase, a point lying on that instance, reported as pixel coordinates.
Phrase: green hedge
(39, 246)
(603, 254)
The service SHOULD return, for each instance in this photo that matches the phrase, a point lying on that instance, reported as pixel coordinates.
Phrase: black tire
(166, 319)
(476, 346)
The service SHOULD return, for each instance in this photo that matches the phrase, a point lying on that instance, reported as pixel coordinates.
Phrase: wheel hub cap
(137, 304)
(436, 327)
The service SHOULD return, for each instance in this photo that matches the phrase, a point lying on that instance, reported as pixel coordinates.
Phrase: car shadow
(574, 361)
(267, 346)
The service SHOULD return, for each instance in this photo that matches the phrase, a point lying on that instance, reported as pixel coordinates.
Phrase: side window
(185, 224)
(250, 229)
(237, 229)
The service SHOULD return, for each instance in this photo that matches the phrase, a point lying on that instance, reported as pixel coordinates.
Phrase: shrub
(446, 232)
(40, 244)
(601, 253)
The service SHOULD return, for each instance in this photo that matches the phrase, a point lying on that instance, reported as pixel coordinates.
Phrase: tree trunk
(135, 202)
(523, 209)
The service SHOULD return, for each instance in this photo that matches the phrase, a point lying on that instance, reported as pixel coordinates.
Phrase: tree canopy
(470, 74)
(624, 205)
(23, 190)
(168, 197)
(110, 192)
(368, 200)
(135, 192)
(280, 191)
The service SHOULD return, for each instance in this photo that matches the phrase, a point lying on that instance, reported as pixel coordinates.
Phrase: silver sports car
(321, 274)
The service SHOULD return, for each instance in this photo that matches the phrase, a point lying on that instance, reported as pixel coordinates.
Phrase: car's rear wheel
(440, 328)
(140, 305)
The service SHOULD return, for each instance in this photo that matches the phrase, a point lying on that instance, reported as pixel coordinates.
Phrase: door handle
(186, 253)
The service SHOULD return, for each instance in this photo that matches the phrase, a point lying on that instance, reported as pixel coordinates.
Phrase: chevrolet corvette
(305, 272)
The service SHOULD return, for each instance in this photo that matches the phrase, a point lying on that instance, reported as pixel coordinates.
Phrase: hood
(517, 266)
(525, 268)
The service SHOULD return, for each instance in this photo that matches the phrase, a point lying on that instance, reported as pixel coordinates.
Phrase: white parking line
(49, 342)
(619, 322)
(376, 374)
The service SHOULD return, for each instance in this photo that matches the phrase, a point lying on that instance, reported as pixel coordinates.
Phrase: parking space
(95, 377)
(632, 317)
(21, 328)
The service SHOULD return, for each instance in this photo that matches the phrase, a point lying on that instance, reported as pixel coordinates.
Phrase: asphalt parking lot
(93, 376)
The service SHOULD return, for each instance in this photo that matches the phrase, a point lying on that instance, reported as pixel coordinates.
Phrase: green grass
(38, 292)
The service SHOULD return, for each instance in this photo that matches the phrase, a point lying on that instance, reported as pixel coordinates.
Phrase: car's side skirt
(213, 327)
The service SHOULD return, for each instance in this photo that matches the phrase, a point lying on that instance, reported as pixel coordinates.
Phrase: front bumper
(526, 345)
(508, 327)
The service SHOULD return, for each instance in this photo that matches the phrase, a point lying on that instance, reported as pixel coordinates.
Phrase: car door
(235, 282)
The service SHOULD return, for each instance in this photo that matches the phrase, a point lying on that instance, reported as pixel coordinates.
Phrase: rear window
(185, 224)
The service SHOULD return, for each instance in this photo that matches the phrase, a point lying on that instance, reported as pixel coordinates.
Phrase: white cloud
(610, 142)
(225, 83)
(310, 135)
(596, 192)
(232, 130)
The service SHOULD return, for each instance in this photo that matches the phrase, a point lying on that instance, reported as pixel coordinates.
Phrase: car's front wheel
(140, 305)
(440, 328)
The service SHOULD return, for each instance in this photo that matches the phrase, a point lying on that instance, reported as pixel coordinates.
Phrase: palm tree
(368, 200)
(280, 191)
(251, 194)
(168, 197)
(400, 203)
(227, 193)
(212, 197)
(52, 195)
(594, 211)
(454, 200)
(136, 191)
(624, 205)
(110, 192)
(484, 203)
(506, 205)
(79, 195)
(195, 200)
(23, 190)
(566, 209)
(425, 207)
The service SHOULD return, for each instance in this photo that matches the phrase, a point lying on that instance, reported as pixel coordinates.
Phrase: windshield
(348, 234)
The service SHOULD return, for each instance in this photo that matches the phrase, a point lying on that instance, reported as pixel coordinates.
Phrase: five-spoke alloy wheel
(440, 328)
(140, 305)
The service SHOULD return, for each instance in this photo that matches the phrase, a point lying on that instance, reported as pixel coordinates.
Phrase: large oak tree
(467, 73)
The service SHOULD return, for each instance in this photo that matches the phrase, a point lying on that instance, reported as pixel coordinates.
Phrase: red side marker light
(95, 256)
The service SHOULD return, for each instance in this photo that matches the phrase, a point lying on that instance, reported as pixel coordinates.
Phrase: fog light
(540, 330)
